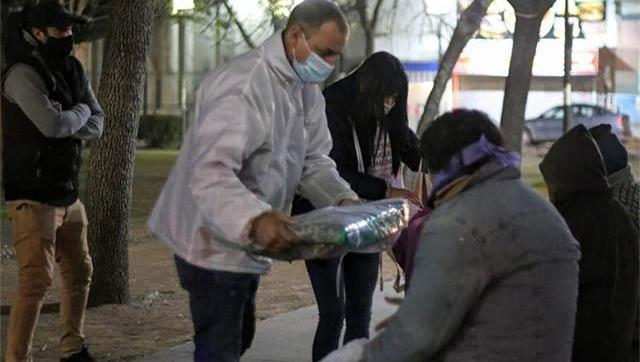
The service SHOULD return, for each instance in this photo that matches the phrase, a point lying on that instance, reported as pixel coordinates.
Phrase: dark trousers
(222, 310)
(351, 302)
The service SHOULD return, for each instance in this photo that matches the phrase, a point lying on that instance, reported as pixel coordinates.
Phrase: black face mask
(57, 48)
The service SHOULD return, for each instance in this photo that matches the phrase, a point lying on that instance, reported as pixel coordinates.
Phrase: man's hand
(271, 230)
(405, 194)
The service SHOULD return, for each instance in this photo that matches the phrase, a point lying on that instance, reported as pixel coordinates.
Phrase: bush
(160, 131)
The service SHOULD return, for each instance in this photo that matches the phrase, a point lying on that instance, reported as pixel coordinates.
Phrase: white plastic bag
(332, 231)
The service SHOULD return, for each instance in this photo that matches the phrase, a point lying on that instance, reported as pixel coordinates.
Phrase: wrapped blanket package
(333, 231)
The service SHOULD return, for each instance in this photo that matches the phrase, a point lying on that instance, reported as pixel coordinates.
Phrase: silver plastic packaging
(332, 231)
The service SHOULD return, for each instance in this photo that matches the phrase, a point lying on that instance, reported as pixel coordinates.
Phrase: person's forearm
(95, 124)
(24, 87)
(59, 124)
(91, 130)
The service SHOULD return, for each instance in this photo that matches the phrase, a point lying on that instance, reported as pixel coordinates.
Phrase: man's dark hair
(311, 14)
(453, 131)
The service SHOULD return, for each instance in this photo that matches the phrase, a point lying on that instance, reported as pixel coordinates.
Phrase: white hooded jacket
(259, 136)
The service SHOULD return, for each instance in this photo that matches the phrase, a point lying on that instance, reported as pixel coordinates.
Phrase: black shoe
(82, 356)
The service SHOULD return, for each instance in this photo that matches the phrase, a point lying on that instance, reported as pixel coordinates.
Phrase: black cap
(50, 13)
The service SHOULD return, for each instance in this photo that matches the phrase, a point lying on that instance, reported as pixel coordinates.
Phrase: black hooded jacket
(608, 291)
(340, 110)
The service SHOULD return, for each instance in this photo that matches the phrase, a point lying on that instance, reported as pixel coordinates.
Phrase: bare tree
(112, 158)
(468, 23)
(525, 41)
(220, 15)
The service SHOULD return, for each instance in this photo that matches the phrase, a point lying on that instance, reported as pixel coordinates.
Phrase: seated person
(496, 269)
(608, 290)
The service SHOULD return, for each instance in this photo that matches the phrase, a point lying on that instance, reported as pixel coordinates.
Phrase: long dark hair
(381, 75)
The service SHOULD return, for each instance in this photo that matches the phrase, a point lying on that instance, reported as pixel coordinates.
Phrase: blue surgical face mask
(314, 69)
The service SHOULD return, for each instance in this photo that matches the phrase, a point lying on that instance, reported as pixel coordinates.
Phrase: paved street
(284, 338)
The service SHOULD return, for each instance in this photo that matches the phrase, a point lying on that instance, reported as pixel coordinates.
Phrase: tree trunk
(112, 157)
(525, 42)
(368, 24)
(468, 23)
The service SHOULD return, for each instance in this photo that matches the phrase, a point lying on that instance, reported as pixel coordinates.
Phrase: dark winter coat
(608, 292)
(495, 280)
(36, 167)
(627, 190)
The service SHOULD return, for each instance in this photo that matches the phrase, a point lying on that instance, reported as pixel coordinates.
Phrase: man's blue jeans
(222, 310)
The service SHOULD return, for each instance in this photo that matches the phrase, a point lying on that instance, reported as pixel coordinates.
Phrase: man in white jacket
(260, 135)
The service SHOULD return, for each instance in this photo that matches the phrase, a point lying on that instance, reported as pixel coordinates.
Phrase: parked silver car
(548, 126)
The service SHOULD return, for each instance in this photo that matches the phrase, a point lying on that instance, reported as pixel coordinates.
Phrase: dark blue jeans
(353, 303)
(222, 310)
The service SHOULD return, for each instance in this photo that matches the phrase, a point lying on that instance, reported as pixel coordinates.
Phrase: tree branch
(468, 22)
(361, 7)
(376, 13)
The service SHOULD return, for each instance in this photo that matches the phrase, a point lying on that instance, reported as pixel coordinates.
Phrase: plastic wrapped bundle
(332, 231)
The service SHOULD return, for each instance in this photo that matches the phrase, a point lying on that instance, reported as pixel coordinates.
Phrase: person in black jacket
(367, 117)
(608, 281)
(48, 109)
(616, 159)
(625, 189)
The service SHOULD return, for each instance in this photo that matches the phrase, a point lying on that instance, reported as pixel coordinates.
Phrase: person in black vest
(48, 108)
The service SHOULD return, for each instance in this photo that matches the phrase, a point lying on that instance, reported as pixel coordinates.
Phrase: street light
(182, 8)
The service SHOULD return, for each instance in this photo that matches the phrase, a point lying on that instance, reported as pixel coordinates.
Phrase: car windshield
(553, 113)
(586, 112)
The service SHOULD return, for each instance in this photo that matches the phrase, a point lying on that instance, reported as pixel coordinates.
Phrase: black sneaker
(82, 356)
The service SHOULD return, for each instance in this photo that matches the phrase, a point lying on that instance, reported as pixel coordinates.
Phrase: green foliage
(160, 131)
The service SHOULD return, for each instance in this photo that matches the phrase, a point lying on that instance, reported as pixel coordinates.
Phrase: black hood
(574, 166)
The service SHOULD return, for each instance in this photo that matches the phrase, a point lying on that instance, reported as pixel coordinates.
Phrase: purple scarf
(469, 155)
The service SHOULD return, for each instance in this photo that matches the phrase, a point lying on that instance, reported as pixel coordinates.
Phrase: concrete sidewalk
(283, 338)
